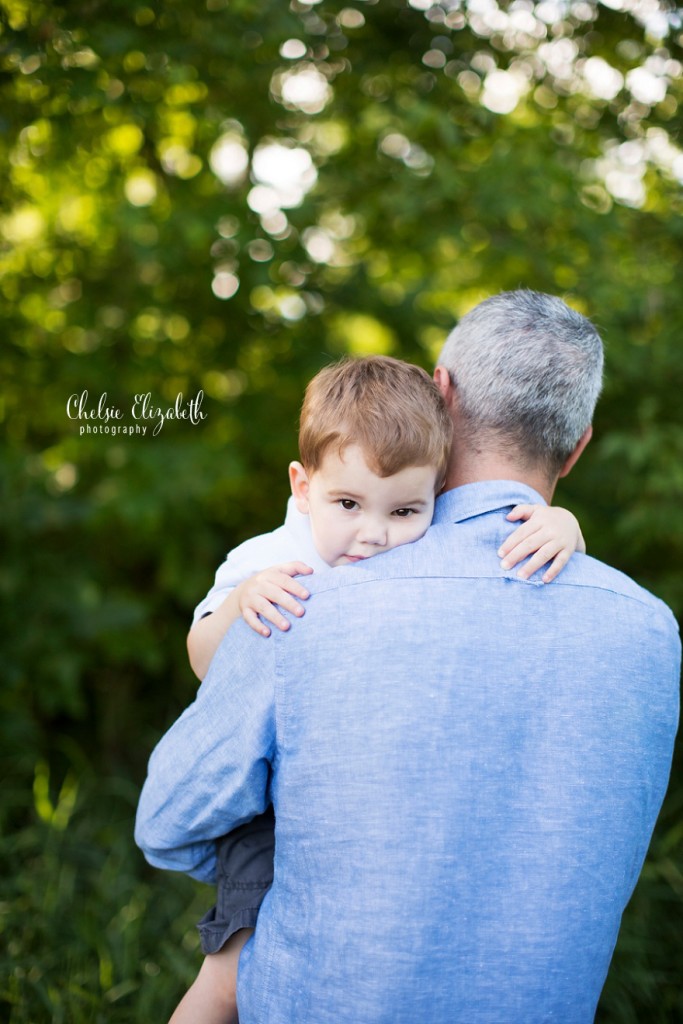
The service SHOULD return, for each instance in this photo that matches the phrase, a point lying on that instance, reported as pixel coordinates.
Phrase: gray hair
(528, 372)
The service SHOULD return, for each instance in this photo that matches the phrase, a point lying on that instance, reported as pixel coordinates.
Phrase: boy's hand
(547, 533)
(260, 593)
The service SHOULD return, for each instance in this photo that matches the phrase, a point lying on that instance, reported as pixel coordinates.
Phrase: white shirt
(290, 542)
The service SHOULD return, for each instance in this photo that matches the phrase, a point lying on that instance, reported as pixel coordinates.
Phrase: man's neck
(475, 467)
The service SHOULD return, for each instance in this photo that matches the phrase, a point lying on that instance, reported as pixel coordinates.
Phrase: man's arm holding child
(211, 771)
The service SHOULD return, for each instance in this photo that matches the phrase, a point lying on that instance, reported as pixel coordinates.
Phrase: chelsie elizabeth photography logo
(99, 416)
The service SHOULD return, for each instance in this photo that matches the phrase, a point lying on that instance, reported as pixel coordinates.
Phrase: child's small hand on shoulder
(259, 595)
(548, 534)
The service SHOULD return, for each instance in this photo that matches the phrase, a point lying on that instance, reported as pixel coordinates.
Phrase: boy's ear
(298, 481)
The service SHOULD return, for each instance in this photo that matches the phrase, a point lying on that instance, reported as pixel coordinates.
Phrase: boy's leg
(244, 873)
(212, 998)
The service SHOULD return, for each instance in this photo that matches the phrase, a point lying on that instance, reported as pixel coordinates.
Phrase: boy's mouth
(355, 558)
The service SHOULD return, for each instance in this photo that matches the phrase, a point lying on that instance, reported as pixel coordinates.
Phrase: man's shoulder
(586, 571)
(440, 555)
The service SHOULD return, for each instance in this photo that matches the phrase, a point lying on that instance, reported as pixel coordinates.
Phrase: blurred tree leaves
(224, 197)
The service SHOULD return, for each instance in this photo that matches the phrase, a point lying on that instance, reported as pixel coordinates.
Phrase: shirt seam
(510, 579)
(279, 709)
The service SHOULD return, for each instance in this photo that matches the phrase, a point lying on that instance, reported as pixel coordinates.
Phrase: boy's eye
(348, 504)
(403, 513)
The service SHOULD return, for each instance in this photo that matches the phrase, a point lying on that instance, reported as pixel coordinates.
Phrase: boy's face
(355, 513)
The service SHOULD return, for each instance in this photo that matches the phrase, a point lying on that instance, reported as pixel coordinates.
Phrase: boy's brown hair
(392, 410)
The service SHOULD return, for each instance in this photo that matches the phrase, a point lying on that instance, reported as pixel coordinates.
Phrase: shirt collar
(485, 496)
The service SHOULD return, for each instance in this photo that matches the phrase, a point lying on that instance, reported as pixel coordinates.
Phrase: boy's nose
(373, 532)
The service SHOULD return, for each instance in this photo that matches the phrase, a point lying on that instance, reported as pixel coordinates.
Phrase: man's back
(467, 771)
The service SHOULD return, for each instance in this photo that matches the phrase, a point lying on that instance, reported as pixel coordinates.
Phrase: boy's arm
(206, 634)
(255, 596)
(547, 534)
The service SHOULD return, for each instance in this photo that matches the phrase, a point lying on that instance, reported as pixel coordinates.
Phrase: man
(466, 767)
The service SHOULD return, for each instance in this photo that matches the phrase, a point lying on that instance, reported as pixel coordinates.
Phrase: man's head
(525, 372)
(374, 440)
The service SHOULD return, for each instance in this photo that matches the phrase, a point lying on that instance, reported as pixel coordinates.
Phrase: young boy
(374, 441)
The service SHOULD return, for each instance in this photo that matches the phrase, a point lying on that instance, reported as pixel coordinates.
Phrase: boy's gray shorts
(244, 873)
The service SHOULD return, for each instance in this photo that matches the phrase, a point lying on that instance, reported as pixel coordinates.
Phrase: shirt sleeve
(239, 565)
(288, 543)
(211, 771)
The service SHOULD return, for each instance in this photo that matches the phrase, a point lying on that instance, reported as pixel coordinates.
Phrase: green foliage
(89, 933)
(148, 246)
(644, 982)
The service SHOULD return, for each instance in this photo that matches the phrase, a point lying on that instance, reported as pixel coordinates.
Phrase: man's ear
(578, 451)
(442, 379)
(299, 482)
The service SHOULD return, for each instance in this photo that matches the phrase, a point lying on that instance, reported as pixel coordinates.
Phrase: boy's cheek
(423, 527)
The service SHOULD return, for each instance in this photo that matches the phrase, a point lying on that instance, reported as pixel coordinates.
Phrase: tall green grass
(90, 933)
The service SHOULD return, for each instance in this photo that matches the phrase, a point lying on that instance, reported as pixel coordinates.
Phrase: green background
(425, 192)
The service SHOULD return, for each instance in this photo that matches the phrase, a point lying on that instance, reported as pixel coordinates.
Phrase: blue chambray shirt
(465, 768)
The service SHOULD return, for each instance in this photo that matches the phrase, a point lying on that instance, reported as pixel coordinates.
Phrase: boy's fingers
(295, 569)
(520, 512)
(524, 547)
(511, 543)
(281, 578)
(556, 567)
(290, 586)
(540, 558)
(252, 619)
(280, 591)
(286, 600)
(522, 532)
(265, 601)
(267, 610)
(273, 583)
